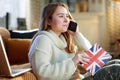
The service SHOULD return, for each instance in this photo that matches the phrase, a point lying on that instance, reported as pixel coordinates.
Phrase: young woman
(55, 51)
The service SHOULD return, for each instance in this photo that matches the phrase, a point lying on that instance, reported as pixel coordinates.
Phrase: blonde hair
(47, 13)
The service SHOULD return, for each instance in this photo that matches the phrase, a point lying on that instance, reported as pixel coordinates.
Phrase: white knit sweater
(49, 59)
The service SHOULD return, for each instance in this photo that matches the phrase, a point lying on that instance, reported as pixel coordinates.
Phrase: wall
(33, 13)
(92, 25)
(34, 8)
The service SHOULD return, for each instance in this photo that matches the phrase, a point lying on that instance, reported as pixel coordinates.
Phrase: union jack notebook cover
(98, 57)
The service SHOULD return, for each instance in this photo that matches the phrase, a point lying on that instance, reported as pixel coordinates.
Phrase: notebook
(99, 57)
(5, 68)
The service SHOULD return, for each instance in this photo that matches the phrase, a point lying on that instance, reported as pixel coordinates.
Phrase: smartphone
(72, 26)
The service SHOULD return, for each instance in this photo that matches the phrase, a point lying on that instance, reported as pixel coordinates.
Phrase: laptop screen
(4, 63)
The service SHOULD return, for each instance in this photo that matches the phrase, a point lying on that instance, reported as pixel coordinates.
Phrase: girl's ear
(49, 21)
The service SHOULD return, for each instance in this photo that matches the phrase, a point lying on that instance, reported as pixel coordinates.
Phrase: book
(98, 58)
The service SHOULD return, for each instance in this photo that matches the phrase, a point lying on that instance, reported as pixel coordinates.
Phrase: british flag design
(98, 57)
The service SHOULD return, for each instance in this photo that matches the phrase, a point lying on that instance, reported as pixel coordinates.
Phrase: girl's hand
(81, 58)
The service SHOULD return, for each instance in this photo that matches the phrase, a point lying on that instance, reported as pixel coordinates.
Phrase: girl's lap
(110, 71)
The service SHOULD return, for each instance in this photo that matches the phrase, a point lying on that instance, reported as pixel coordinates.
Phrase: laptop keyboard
(17, 70)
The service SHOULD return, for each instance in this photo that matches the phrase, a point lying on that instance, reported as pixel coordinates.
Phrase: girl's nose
(66, 19)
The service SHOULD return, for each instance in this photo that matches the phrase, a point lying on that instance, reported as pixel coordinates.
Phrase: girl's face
(60, 20)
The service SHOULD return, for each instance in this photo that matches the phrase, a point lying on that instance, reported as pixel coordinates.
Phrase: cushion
(25, 34)
(17, 50)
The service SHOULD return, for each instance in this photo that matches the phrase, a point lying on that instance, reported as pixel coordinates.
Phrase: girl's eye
(61, 16)
(67, 16)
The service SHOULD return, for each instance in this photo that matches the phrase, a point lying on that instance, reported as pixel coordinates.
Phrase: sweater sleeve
(41, 62)
(81, 41)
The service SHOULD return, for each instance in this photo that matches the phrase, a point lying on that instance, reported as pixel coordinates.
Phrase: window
(15, 8)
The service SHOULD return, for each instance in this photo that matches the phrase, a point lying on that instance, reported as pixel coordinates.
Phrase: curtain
(113, 23)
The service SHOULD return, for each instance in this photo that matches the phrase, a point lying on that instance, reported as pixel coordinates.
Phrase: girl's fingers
(84, 58)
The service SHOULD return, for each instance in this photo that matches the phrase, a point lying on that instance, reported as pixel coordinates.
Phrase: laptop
(5, 68)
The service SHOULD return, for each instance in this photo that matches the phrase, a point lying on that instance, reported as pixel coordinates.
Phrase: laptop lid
(4, 63)
(5, 68)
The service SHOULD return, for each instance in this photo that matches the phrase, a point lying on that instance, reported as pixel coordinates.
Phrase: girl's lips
(66, 26)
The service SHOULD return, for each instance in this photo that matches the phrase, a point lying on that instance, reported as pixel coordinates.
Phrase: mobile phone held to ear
(72, 26)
